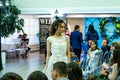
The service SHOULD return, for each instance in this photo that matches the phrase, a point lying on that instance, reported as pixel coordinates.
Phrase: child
(73, 57)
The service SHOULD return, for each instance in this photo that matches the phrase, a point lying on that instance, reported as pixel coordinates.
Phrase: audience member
(59, 71)
(105, 45)
(25, 46)
(89, 43)
(74, 71)
(92, 33)
(114, 45)
(113, 70)
(11, 76)
(76, 40)
(37, 75)
(18, 41)
(106, 66)
(86, 46)
(93, 59)
(18, 44)
(73, 56)
(106, 51)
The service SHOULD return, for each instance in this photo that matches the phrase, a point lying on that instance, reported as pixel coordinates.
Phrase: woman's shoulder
(98, 49)
(115, 65)
(50, 37)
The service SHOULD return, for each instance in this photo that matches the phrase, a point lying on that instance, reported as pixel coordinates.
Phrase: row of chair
(14, 53)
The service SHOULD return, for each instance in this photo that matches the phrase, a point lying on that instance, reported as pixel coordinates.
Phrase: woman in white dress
(57, 46)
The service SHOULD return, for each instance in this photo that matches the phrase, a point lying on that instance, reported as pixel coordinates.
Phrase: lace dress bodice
(58, 45)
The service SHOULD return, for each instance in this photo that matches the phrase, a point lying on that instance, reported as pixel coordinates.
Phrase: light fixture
(56, 12)
(7, 3)
(1, 4)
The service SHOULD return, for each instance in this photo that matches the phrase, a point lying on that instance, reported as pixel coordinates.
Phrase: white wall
(31, 27)
(71, 22)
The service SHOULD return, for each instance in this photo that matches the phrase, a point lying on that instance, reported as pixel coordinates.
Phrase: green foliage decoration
(9, 20)
(115, 21)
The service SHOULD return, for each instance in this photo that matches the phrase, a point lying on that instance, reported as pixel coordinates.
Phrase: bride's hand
(69, 60)
(46, 65)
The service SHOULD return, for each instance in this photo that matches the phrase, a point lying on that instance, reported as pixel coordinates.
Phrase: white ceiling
(67, 6)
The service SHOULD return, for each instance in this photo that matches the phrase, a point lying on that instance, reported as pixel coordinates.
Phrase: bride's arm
(68, 49)
(48, 52)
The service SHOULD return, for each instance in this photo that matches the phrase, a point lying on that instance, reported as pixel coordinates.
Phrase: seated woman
(112, 71)
(93, 60)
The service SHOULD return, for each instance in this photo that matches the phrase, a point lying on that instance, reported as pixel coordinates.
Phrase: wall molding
(70, 10)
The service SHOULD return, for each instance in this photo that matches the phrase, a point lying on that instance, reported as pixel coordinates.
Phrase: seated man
(105, 45)
(59, 71)
(106, 50)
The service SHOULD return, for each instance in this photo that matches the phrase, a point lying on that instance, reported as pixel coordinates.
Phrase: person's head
(116, 57)
(59, 70)
(58, 26)
(89, 42)
(77, 27)
(37, 75)
(67, 32)
(24, 35)
(91, 28)
(20, 36)
(66, 29)
(11, 76)
(74, 71)
(94, 45)
(105, 42)
(115, 45)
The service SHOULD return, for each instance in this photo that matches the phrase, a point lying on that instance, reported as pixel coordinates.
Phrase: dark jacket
(76, 39)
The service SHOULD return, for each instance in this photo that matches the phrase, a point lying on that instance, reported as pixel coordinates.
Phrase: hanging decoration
(110, 27)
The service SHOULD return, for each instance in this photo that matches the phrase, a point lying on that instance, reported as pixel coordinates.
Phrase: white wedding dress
(58, 51)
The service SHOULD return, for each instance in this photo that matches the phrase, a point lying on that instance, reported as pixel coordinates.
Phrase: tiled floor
(24, 67)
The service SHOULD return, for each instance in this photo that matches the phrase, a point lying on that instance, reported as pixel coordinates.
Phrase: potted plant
(9, 21)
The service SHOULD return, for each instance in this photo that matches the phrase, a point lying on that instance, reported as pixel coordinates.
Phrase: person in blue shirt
(76, 40)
